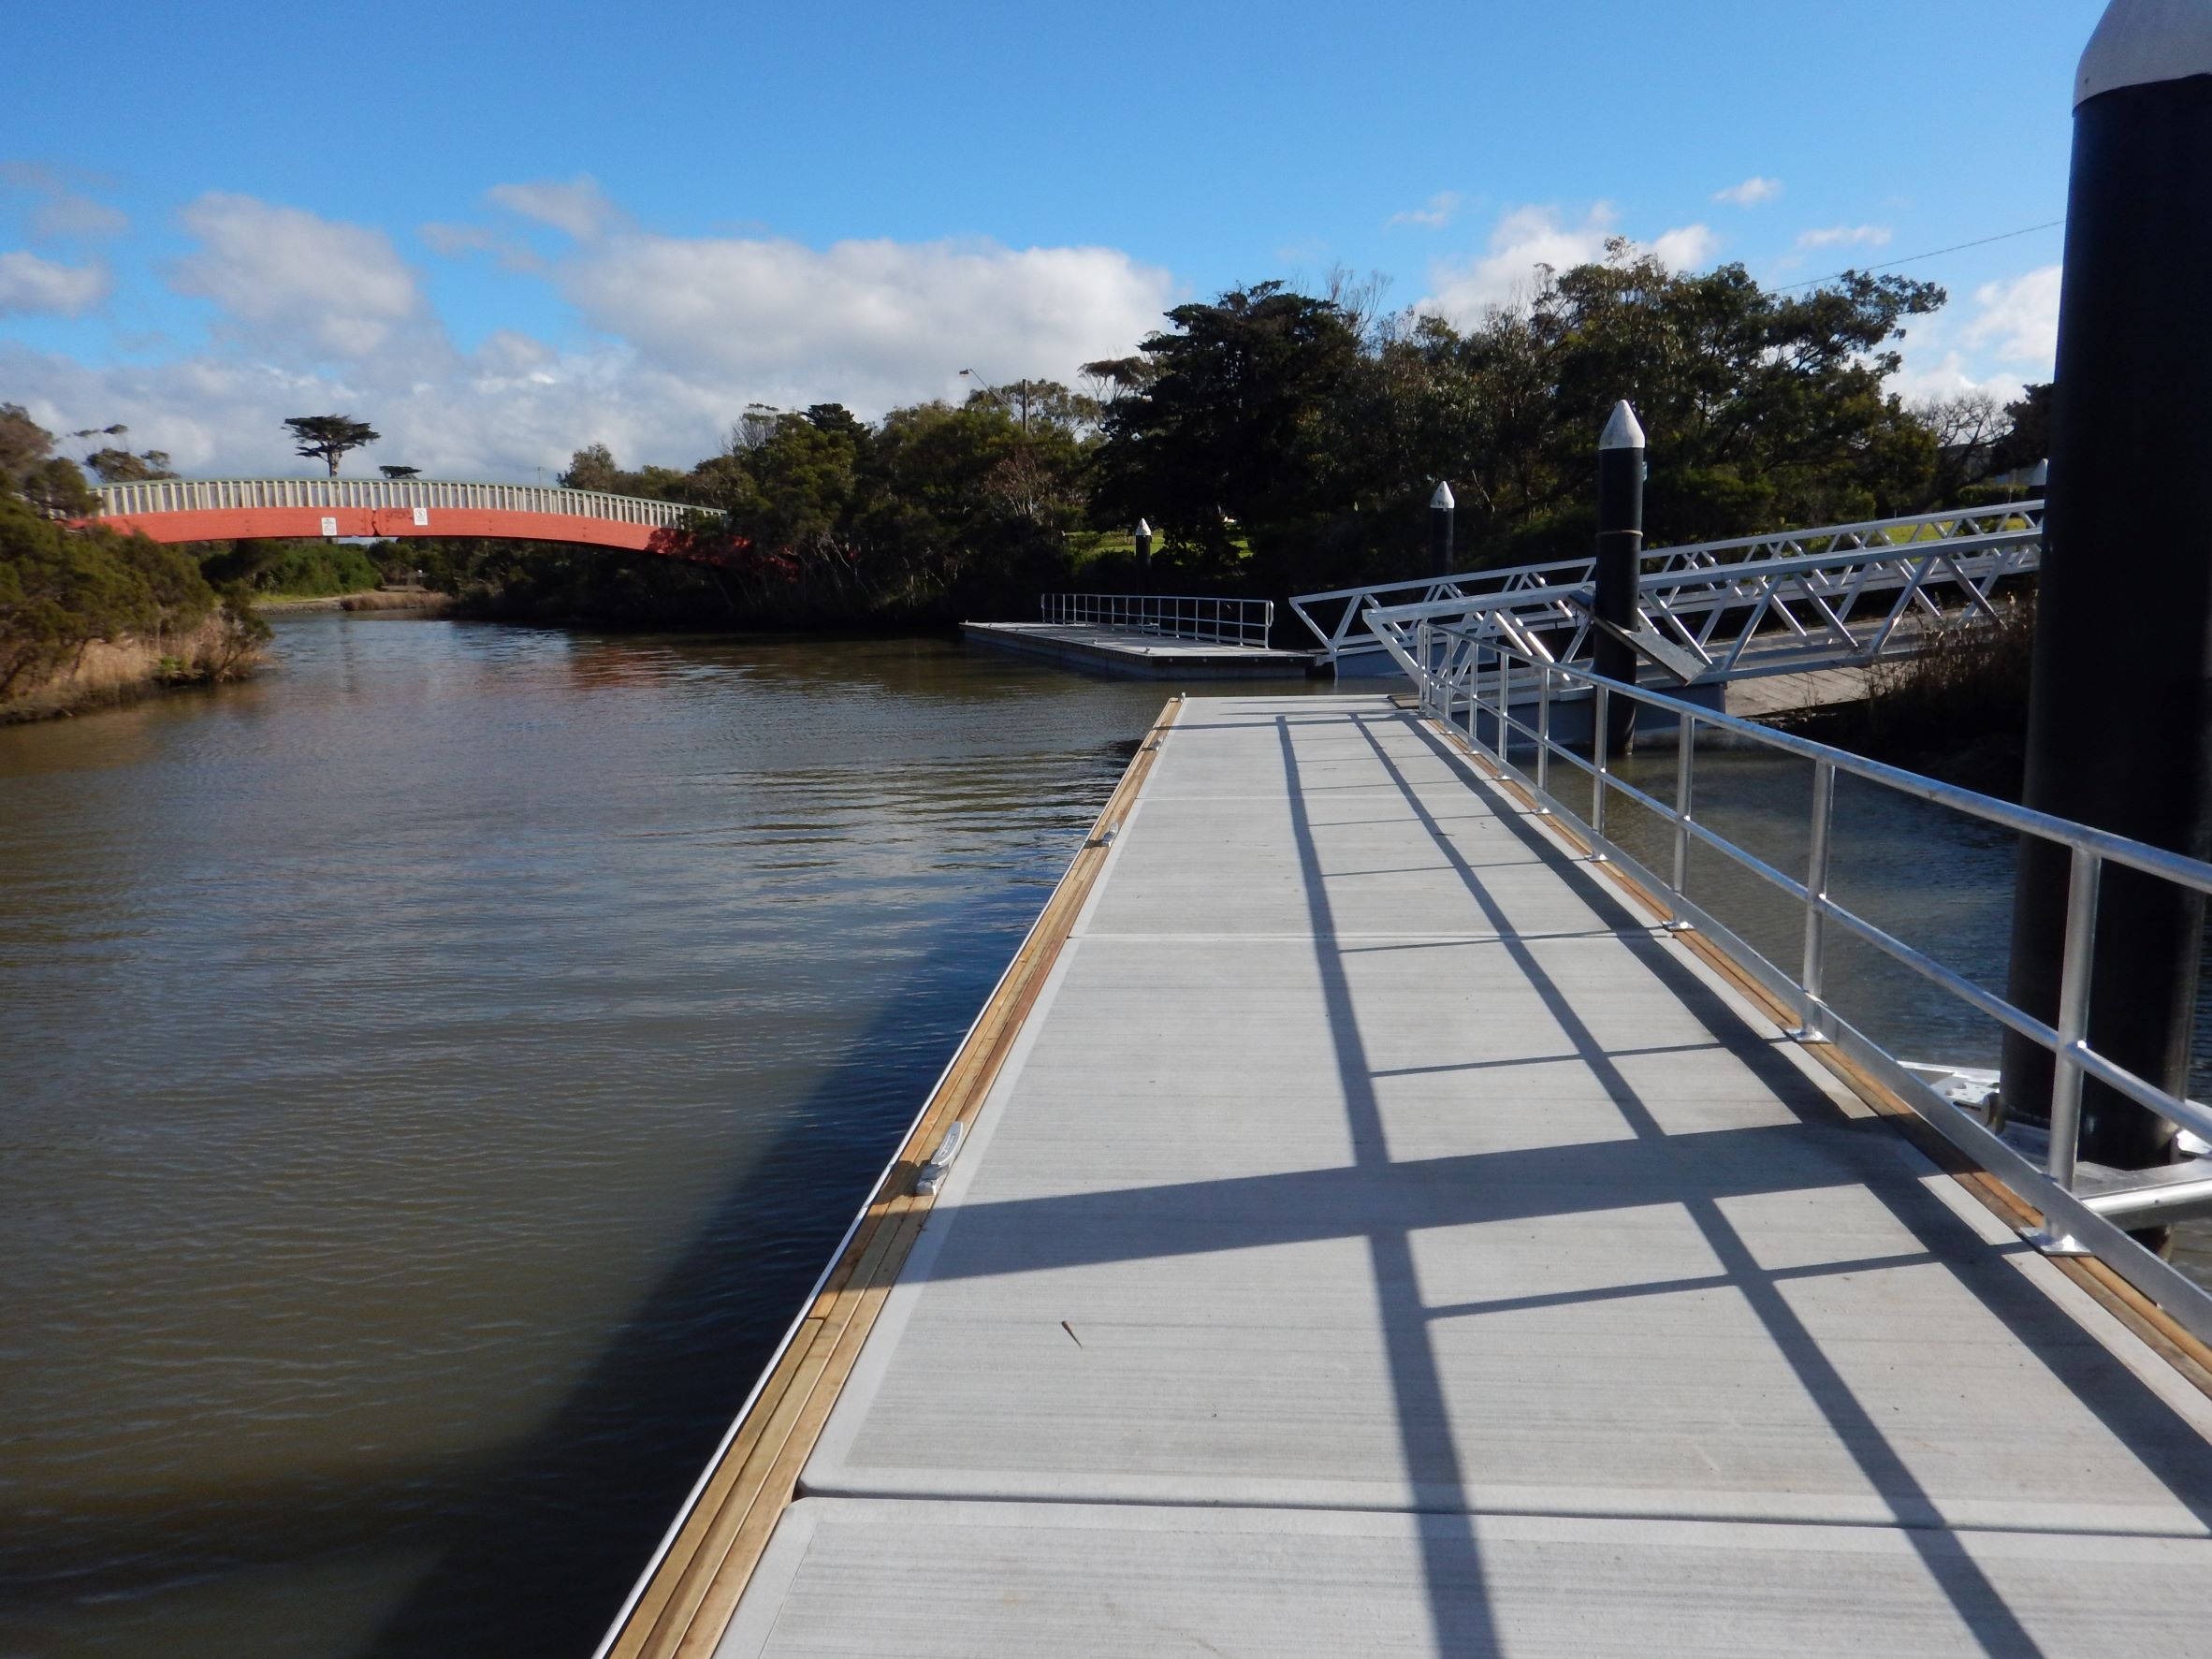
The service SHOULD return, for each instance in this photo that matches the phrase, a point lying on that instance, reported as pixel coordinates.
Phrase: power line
(1915, 258)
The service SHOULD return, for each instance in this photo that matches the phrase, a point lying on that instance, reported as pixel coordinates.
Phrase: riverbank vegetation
(280, 570)
(88, 616)
(1282, 441)
(1956, 709)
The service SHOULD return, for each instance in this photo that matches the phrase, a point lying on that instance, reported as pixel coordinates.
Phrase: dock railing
(1211, 621)
(1501, 699)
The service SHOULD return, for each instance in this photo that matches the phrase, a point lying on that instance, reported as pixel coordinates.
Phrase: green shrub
(314, 569)
(62, 589)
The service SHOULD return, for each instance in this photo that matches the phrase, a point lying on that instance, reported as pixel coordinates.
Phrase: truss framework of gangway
(1717, 611)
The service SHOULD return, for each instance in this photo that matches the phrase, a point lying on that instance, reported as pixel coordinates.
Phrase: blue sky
(499, 234)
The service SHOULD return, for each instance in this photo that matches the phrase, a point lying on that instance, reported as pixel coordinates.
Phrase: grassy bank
(423, 600)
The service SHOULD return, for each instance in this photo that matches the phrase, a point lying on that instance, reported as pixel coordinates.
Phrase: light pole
(991, 391)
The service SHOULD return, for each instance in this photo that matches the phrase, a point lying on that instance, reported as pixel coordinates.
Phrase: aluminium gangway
(1712, 612)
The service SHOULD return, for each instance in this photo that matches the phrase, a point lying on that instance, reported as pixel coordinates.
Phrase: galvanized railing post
(1599, 707)
(1505, 708)
(1543, 735)
(1684, 784)
(2075, 976)
(1816, 893)
(1477, 705)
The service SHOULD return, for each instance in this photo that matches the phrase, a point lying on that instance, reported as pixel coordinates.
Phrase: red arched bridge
(251, 509)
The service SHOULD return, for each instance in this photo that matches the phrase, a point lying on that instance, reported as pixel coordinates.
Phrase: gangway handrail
(1741, 620)
(1452, 680)
(1176, 615)
(1347, 636)
(192, 495)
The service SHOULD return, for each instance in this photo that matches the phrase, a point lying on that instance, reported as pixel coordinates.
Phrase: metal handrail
(1194, 617)
(1348, 635)
(192, 495)
(1452, 681)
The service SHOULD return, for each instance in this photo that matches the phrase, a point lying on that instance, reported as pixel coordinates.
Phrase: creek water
(433, 1072)
(432, 1076)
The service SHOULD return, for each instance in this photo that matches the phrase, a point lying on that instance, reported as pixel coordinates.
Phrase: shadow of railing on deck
(1820, 1146)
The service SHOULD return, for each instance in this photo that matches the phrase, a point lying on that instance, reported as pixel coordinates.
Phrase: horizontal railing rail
(1338, 617)
(1211, 621)
(1500, 700)
(199, 495)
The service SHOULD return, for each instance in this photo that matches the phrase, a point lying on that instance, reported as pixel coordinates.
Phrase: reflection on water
(1936, 878)
(432, 1075)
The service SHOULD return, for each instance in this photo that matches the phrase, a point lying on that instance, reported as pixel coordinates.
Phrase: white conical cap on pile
(1624, 432)
(2140, 41)
(1442, 500)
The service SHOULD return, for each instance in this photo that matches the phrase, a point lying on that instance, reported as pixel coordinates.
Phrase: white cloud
(1751, 193)
(576, 206)
(506, 351)
(1845, 236)
(456, 242)
(2009, 337)
(869, 324)
(29, 284)
(1440, 211)
(1527, 238)
(1689, 248)
(64, 212)
(689, 331)
(288, 280)
(515, 408)
(71, 217)
(2018, 320)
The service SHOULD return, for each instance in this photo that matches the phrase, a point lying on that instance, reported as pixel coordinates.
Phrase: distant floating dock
(1168, 636)
(1121, 651)
(1374, 1231)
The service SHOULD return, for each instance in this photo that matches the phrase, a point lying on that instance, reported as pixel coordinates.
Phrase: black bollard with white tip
(1442, 509)
(1143, 557)
(1619, 562)
(2119, 725)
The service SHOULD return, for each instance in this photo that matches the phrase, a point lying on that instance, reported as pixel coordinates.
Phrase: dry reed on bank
(1968, 683)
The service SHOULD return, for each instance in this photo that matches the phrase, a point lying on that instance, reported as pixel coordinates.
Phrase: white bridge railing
(1501, 702)
(194, 495)
(1212, 621)
(1774, 603)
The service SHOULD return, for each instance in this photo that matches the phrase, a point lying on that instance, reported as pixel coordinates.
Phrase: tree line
(1278, 440)
(1281, 440)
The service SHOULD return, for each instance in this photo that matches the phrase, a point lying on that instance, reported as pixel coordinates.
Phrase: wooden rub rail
(684, 1601)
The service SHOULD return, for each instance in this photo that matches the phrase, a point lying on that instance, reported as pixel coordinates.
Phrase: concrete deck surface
(1382, 1240)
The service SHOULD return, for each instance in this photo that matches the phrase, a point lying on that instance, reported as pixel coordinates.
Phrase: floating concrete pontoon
(1378, 1235)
